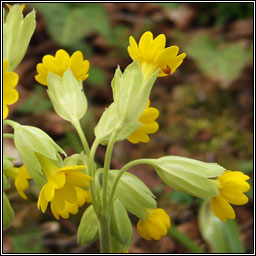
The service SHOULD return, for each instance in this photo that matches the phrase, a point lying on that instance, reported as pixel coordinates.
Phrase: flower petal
(221, 208)
(145, 42)
(42, 203)
(49, 191)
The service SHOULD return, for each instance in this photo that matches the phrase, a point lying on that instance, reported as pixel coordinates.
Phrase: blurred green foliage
(37, 104)
(217, 60)
(169, 5)
(220, 60)
(28, 240)
(211, 119)
(96, 77)
(69, 23)
(180, 197)
(222, 13)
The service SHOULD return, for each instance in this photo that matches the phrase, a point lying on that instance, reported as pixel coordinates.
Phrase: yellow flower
(155, 225)
(10, 95)
(64, 188)
(231, 185)
(60, 63)
(10, 6)
(21, 177)
(148, 125)
(152, 54)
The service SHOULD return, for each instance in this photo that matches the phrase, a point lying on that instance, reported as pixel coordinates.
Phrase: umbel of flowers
(67, 183)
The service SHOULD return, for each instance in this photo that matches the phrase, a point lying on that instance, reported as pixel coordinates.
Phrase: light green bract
(120, 224)
(17, 32)
(131, 93)
(28, 140)
(88, 230)
(8, 212)
(133, 193)
(67, 96)
(188, 175)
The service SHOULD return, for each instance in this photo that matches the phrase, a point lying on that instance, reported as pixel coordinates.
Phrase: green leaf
(69, 24)
(221, 62)
(31, 104)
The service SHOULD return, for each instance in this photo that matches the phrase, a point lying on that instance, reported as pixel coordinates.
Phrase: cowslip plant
(67, 183)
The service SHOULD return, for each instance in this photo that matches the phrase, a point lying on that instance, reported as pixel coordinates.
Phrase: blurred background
(206, 113)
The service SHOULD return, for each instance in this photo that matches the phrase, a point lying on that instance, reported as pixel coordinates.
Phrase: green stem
(8, 136)
(184, 240)
(83, 139)
(106, 170)
(97, 184)
(11, 123)
(95, 199)
(123, 170)
(104, 219)
(104, 234)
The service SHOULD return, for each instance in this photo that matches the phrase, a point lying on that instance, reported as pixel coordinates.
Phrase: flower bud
(67, 96)
(17, 32)
(76, 159)
(88, 230)
(133, 193)
(188, 175)
(8, 212)
(120, 224)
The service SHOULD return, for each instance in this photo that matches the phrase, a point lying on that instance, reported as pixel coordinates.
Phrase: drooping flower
(20, 176)
(155, 225)
(152, 54)
(60, 63)
(148, 125)
(10, 95)
(65, 188)
(231, 186)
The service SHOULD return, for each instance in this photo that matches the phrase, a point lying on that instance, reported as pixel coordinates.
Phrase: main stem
(104, 233)
(104, 219)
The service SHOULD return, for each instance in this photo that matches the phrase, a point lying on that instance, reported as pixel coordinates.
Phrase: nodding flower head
(231, 185)
(155, 226)
(66, 188)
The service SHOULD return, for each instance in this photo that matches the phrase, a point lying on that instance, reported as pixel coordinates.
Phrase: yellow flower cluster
(152, 54)
(60, 63)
